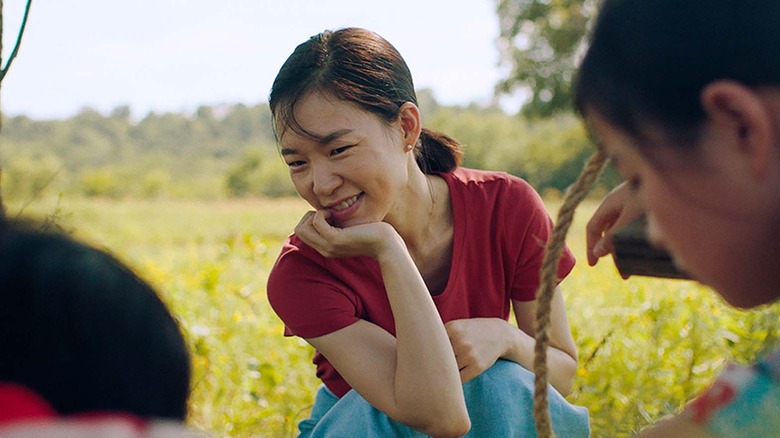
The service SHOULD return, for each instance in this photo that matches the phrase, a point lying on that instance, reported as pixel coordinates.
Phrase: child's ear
(746, 119)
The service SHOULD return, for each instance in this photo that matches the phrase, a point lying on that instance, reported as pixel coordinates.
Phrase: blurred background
(143, 127)
(168, 98)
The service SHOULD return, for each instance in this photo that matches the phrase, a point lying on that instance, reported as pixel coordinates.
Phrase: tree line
(229, 151)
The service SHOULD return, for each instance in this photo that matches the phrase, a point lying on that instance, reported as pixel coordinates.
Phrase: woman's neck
(423, 213)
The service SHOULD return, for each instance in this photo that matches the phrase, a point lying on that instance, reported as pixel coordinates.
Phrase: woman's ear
(743, 117)
(411, 122)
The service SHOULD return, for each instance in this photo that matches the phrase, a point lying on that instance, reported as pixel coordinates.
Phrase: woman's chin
(351, 222)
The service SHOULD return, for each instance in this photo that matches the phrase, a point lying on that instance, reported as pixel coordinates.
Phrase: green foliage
(230, 152)
(549, 153)
(26, 176)
(540, 41)
(100, 182)
(646, 346)
(260, 173)
(162, 155)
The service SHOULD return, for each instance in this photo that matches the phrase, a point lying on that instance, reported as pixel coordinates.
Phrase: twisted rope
(549, 280)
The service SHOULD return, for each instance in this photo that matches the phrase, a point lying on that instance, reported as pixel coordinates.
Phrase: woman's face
(354, 168)
(699, 208)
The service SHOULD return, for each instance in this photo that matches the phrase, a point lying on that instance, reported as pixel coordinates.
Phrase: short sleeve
(743, 401)
(307, 298)
(536, 231)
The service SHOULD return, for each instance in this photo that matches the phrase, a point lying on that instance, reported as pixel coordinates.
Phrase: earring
(408, 147)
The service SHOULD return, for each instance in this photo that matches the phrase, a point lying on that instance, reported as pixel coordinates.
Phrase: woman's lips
(343, 210)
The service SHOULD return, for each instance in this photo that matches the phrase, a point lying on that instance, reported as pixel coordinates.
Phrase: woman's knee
(503, 379)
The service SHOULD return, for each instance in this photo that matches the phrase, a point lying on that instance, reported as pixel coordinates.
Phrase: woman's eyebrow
(322, 140)
(335, 135)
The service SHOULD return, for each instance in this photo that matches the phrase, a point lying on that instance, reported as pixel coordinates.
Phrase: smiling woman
(404, 274)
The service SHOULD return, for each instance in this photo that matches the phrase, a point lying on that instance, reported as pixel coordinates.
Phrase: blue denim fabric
(499, 401)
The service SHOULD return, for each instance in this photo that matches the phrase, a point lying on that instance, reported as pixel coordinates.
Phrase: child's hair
(83, 331)
(357, 66)
(649, 60)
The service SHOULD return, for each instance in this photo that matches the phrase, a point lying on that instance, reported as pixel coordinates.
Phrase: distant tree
(4, 69)
(239, 178)
(540, 41)
(122, 113)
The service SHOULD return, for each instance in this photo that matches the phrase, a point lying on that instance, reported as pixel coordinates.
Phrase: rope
(549, 280)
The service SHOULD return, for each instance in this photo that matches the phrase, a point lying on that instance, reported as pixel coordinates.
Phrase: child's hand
(618, 208)
(358, 240)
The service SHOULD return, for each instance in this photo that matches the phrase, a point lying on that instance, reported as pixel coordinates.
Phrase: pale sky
(175, 55)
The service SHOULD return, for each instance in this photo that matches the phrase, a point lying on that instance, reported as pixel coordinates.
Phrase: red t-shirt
(500, 230)
(22, 409)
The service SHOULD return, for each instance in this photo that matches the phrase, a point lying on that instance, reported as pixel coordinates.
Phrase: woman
(403, 276)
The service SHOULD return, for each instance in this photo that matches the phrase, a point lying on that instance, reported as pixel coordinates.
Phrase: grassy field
(646, 345)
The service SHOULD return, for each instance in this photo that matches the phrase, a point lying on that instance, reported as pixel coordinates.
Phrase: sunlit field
(646, 345)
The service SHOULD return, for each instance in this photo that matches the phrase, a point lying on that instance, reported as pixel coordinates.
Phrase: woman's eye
(295, 164)
(339, 150)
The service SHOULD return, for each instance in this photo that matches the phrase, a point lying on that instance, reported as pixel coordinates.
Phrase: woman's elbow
(564, 378)
(443, 422)
(454, 427)
(564, 386)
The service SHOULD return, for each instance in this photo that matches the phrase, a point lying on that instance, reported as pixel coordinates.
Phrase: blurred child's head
(83, 331)
(685, 97)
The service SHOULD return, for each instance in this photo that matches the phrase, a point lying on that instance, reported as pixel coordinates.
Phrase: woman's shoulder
(495, 187)
(468, 175)
(301, 268)
(297, 258)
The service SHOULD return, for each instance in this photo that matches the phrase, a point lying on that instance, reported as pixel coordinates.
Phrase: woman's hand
(360, 240)
(477, 343)
(618, 208)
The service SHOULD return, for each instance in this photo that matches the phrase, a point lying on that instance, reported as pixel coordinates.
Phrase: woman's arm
(562, 352)
(675, 427)
(412, 377)
(479, 342)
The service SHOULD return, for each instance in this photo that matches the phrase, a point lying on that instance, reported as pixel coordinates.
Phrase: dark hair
(358, 66)
(83, 331)
(649, 60)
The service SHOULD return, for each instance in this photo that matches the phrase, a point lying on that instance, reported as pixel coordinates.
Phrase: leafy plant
(646, 346)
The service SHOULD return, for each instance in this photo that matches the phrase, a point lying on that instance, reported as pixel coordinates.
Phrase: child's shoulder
(740, 389)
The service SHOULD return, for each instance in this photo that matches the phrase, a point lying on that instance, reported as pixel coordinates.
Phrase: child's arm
(618, 208)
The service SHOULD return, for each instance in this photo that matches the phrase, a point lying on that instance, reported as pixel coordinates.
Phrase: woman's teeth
(346, 203)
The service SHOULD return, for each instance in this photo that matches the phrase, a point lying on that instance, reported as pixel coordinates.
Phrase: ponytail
(438, 152)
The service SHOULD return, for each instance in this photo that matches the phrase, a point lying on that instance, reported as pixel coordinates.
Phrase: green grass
(646, 345)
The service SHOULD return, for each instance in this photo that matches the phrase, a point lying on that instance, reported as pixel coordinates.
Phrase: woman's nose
(324, 180)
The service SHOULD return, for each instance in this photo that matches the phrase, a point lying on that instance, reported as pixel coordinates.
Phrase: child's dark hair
(358, 66)
(85, 332)
(649, 60)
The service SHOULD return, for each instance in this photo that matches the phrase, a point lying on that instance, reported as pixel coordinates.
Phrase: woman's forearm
(561, 366)
(428, 392)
